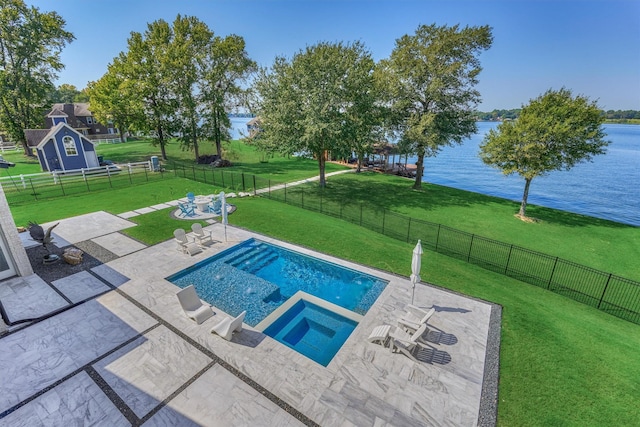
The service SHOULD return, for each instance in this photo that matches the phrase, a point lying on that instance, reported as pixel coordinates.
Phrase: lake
(605, 188)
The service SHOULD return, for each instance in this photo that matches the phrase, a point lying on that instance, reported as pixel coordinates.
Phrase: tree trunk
(321, 165)
(417, 185)
(525, 195)
(163, 151)
(27, 149)
(216, 123)
(360, 158)
(195, 140)
(121, 134)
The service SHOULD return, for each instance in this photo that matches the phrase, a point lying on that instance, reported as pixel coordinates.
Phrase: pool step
(248, 253)
(254, 259)
(261, 261)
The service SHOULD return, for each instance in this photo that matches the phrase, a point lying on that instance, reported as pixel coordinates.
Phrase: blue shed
(63, 148)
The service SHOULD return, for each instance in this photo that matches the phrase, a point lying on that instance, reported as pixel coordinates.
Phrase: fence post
(32, 188)
(408, 229)
(552, 272)
(24, 183)
(129, 169)
(604, 290)
(437, 237)
(254, 186)
(85, 180)
(470, 248)
(506, 267)
(61, 186)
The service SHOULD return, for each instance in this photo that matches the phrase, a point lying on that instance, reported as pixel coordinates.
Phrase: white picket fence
(36, 179)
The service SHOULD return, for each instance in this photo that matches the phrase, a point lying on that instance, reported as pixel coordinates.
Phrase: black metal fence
(605, 291)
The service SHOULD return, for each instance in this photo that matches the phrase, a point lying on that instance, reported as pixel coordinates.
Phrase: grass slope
(597, 243)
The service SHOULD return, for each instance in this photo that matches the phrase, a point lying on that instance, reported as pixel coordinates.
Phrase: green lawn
(600, 244)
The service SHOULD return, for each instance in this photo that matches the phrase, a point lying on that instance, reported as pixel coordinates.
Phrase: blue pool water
(258, 277)
(312, 331)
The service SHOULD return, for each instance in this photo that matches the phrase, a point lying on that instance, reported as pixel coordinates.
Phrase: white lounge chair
(228, 326)
(415, 317)
(407, 343)
(184, 244)
(193, 306)
(380, 335)
(200, 234)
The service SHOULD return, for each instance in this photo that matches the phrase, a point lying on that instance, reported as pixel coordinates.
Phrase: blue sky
(588, 46)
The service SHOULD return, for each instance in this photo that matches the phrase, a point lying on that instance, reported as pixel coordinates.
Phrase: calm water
(606, 188)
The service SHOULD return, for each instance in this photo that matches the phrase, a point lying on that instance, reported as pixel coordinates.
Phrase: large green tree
(148, 74)
(431, 77)
(191, 39)
(30, 46)
(313, 103)
(111, 98)
(225, 67)
(555, 131)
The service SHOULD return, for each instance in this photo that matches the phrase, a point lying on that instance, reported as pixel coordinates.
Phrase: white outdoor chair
(200, 234)
(228, 326)
(407, 343)
(415, 317)
(193, 306)
(184, 244)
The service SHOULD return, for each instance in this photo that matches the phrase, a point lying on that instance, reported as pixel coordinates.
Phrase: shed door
(92, 159)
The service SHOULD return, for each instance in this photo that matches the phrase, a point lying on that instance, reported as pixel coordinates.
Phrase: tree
(147, 77)
(310, 104)
(111, 99)
(30, 46)
(555, 131)
(225, 67)
(431, 77)
(65, 94)
(191, 38)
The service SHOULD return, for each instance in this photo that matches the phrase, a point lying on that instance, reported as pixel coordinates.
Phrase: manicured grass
(596, 243)
(562, 363)
(113, 201)
(156, 227)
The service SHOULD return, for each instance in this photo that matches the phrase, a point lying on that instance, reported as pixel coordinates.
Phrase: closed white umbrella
(416, 261)
(225, 220)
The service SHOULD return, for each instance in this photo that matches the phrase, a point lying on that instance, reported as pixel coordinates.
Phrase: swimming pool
(311, 330)
(258, 277)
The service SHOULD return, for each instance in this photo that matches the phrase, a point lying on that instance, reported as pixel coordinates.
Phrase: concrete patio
(120, 351)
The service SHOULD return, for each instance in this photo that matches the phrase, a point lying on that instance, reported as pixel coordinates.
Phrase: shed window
(69, 146)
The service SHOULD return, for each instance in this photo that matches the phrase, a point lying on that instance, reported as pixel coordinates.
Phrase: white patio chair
(193, 306)
(407, 343)
(228, 326)
(415, 317)
(184, 244)
(200, 234)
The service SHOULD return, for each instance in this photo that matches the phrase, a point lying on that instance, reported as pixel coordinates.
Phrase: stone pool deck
(121, 351)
